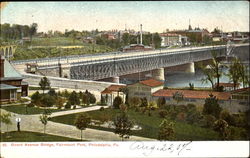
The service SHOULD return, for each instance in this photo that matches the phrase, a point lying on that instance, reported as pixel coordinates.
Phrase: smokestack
(141, 33)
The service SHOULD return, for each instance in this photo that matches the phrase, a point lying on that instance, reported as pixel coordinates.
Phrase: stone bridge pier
(189, 68)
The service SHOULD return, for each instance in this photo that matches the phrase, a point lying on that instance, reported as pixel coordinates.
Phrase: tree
(209, 75)
(178, 97)
(5, 118)
(44, 119)
(211, 106)
(215, 66)
(234, 72)
(33, 30)
(123, 125)
(44, 83)
(47, 100)
(117, 102)
(166, 130)
(82, 121)
(85, 99)
(144, 102)
(36, 98)
(156, 40)
(221, 126)
(134, 101)
(125, 91)
(161, 102)
(74, 99)
(52, 92)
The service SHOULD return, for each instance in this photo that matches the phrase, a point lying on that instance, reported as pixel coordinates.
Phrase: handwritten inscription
(172, 148)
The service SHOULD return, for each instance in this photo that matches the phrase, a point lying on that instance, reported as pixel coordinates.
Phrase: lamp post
(18, 120)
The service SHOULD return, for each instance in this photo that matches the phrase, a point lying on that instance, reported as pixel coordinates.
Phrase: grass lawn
(48, 47)
(25, 136)
(21, 109)
(149, 124)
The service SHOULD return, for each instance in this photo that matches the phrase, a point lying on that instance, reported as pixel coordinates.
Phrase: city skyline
(154, 16)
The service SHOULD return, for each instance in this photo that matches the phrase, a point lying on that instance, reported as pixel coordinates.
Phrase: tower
(189, 26)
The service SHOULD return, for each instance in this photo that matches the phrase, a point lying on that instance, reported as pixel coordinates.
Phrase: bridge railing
(87, 57)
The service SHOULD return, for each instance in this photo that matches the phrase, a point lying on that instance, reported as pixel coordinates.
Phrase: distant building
(172, 39)
(11, 85)
(136, 47)
(145, 88)
(228, 86)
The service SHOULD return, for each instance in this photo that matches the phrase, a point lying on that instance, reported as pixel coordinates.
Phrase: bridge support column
(64, 70)
(158, 74)
(190, 67)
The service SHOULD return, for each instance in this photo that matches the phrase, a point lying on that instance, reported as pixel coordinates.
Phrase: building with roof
(12, 87)
(234, 102)
(228, 86)
(111, 92)
(136, 47)
(173, 39)
(145, 88)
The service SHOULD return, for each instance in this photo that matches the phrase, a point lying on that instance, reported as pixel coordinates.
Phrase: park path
(32, 123)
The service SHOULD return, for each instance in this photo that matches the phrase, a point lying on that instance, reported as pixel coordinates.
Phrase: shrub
(117, 102)
(211, 106)
(225, 115)
(166, 130)
(101, 108)
(36, 98)
(161, 102)
(134, 101)
(47, 100)
(163, 113)
(209, 120)
(181, 116)
(68, 105)
(221, 126)
(30, 105)
(144, 102)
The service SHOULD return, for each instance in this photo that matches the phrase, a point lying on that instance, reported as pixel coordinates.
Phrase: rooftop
(112, 88)
(192, 94)
(152, 83)
(228, 84)
(6, 87)
(10, 72)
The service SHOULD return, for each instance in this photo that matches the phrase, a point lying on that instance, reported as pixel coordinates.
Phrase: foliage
(101, 108)
(209, 121)
(215, 67)
(36, 98)
(163, 113)
(74, 98)
(144, 102)
(209, 75)
(221, 126)
(225, 115)
(166, 130)
(52, 92)
(103, 100)
(5, 118)
(161, 102)
(181, 116)
(82, 121)
(178, 97)
(152, 105)
(60, 102)
(193, 115)
(125, 91)
(85, 99)
(117, 102)
(211, 106)
(47, 100)
(134, 101)
(68, 105)
(123, 125)
(44, 83)
(44, 119)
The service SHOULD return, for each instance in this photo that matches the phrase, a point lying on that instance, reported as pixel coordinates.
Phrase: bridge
(7, 51)
(115, 64)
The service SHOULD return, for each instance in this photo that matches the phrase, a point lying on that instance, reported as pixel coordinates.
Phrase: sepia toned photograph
(145, 77)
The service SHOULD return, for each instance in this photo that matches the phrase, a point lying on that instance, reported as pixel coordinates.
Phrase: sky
(155, 16)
